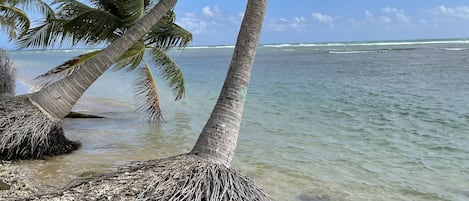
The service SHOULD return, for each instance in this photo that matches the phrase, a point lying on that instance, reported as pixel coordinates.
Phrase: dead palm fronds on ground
(25, 131)
(185, 177)
(7, 74)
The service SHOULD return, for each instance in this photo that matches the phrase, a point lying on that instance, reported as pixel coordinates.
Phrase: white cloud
(323, 18)
(391, 10)
(209, 20)
(194, 25)
(384, 19)
(284, 24)
(459, 12)
(300, 19)
(368, 13)
(402, 17)
(398, 13)
(207, 11)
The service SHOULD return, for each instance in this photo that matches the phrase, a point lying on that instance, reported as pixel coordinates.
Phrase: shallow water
(375, 121)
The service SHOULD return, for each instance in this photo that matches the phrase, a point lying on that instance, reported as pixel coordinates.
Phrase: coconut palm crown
(14, 21)
(103, 23)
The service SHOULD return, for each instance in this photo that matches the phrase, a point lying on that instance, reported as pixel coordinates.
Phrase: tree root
(26, 133)
(184, 177)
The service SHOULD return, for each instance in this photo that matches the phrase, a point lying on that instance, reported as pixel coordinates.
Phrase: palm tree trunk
(57, 100)
(217, 142)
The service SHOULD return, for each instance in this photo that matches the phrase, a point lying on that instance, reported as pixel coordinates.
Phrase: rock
(81, 115)
(4, 186)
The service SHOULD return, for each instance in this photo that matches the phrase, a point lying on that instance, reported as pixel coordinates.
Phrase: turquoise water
(330, 121)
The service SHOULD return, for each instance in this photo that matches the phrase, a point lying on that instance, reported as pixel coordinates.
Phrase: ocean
(385, 120)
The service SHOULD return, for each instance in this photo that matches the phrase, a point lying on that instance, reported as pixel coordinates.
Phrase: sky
(216, 22)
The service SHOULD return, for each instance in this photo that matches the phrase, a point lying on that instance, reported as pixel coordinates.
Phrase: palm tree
(14, 21)
(204, 173)
(31, 124)
(105, 23)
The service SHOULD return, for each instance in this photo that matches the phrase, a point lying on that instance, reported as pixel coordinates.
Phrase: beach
(14, 182)
(381, 120)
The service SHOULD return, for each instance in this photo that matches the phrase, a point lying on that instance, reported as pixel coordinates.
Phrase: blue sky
(216, 22)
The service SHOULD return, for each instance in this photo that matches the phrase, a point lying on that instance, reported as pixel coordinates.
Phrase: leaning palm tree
(104, 23)
(31, 124)
(14, 21)
(204, 173)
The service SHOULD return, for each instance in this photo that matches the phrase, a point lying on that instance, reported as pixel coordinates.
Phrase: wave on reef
(370, 43)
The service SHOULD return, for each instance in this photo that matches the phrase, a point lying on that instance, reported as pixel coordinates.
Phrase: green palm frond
(75, 21)
(68, 9)
(37, 5)
(167, 34)
(132, 57)
(146, 89)
(170, 71)
(45, 35)
(130, 10)
(65, 69)
(93, 27)
(13, 21)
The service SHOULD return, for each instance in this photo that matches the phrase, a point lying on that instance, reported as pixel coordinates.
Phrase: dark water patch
(429, 196)
(306, 197)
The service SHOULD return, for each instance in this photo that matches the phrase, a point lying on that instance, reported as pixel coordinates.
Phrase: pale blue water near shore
(329, 121)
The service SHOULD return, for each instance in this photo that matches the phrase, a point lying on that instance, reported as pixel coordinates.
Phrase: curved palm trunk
(217, 142)
(57, 100)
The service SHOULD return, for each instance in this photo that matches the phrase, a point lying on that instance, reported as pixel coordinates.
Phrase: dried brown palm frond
(26, 133)
(180, 178)
(147, 90)
(65, 69)
(7, 74)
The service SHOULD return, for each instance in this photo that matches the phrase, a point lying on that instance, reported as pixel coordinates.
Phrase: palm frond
(93, 27)
(170, 71)
(13, 21)
(47, 34)
(166, 34)
(68, 9)
(130, 10)
(146, 89)
(38, 6)
(132, 57)
(51, 31)
(65, 69)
